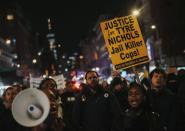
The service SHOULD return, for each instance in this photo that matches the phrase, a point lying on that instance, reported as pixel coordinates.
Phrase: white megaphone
(30, 107)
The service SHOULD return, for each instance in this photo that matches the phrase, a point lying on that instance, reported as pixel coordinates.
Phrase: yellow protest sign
(125, 42)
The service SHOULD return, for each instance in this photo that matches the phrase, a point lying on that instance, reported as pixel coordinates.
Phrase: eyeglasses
(92, 78)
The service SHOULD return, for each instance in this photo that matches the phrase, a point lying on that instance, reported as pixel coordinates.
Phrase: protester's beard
(94, 84)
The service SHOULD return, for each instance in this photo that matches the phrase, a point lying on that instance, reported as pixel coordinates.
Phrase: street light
(81, 57)
(39, 53)
(153, 27)
(10, 17)
(158, 46)
(8, 41)
(138, 11)
(18, 65)
(135, 12)
(34, 61)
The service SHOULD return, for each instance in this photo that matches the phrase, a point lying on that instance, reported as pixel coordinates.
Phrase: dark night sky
(72, 19)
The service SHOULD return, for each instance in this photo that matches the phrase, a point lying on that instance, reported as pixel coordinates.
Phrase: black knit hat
(116, 81)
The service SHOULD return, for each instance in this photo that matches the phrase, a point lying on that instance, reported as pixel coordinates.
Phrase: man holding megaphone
(54, 121)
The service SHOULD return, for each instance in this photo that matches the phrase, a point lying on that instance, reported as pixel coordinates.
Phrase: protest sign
(125, 42)
(59, 79)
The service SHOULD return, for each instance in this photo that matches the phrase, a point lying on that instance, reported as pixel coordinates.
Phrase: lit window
(10, 17)
(8, 41)
(81, 57)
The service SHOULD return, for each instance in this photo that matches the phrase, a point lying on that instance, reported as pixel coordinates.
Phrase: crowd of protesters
(157, 103)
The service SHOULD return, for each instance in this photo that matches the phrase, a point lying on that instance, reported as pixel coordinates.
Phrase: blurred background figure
(181, 76)
(181, 101)
(105, 85)
(115, 73)
(145, 82)
(7, 122)
(119, 88)
(171, 80)
(16, 89)
(68, 98)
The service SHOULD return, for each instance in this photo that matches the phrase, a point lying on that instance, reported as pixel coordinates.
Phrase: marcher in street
(162, 100)
(181, 101)
(68, 98)
(120, 89)
(7, 122)
(95, 108)
(138, 116)
(53, 121)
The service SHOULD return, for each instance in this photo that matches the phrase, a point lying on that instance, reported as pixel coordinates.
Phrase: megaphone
(30, 107)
